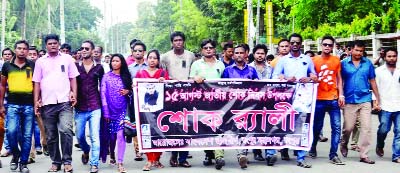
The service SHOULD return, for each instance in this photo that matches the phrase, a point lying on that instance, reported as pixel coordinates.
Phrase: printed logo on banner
(145, 129)
(146, 141)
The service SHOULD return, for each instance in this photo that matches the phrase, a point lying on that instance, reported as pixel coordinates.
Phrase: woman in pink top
(153, 71)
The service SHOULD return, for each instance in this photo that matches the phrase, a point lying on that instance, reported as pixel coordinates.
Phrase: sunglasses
(84, 48)
(295, 42)
(326, 44)
(209, 47)
(134, 50)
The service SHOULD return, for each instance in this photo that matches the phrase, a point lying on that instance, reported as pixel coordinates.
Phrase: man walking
(55, 94)
(17, 74)
(88, 108)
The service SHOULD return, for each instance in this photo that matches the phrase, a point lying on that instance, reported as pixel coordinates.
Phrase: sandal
(139, 156)
(54, 168)
(121, 168)
(70, 170)
(303, 164)
(158, 164)
(112, 162)
(147, 166)
(173, 162)
(94, 169)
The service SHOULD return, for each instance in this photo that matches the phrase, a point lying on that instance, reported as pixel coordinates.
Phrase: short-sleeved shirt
(19, 80)
(357, 88)
(135, 67)
(327, 69)
(290, 66)
(264, 73)
(177, 66)
(201, 68)
(54, 74)
(248, 72)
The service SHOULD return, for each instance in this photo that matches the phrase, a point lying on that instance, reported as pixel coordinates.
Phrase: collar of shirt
(136, 64)
(48, 55)
(94, 63)
(245, 66)
(27, 62)
(348, 59)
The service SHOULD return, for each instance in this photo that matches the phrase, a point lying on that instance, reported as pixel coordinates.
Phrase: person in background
(42, 53)
(66, 48)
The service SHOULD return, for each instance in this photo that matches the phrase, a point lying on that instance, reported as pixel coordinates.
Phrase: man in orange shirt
(329, 98)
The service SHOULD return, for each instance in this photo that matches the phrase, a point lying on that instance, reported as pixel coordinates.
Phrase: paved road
(320, 165)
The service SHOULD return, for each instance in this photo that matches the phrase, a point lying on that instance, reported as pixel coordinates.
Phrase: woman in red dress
(153, 71)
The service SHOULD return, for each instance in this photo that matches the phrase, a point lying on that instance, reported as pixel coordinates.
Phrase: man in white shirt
(388, 82)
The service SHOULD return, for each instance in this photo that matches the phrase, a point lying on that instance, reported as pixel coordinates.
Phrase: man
(227, 55)
(42, 53)
(131, 59)
(387, 80)
(177, 62)
(138, 52)
(381, 59)
(55, 94)
(329, 98)
(338, 49)
(283, 50)
(88, 108)
(358, 77)
(208, 67)
(33, 54)
(66, 48)
(240, 70)
(20, 116)
(98, 55)
(296, 67)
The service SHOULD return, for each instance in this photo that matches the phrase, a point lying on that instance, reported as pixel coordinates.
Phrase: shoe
(31, 160)
(303, 164)
(14, 163)
(185, 164)
(94, 169)
(258, 157)
(285, 154)
(207, 161)
(39, 152)
(147, 166)
(313, 154)
(344, 150)
(139, 156)
(335, 160)
(322, 139)
(54, 168)
(6, 154)
(367, 160)
(395, 161)
(173, 162)
(219, 163)
(77, 146)
(45, 150)
(23, 168)
(271, 160)
(243, 161)
(379, 152)
(112, 161)
(85, 158)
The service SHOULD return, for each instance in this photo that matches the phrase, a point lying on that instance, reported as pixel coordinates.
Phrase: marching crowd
(46, 94)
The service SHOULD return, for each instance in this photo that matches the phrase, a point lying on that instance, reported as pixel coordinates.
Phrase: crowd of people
(46, 94)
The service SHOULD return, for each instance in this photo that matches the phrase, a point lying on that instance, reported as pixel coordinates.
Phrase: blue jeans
(182, 155)
(270, 152)
(36, 134)
(332, 107)
(20, 119)
(81, 117)
(386, 118)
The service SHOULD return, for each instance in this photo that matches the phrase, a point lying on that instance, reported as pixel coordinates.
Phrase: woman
(115, 88)
(153, 71)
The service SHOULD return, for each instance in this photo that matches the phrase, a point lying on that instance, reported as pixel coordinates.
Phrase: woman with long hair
(153, 71)
(115, 88)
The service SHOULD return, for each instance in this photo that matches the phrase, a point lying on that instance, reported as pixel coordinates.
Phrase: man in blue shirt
(358, 78)
(296, 67)
(240, 70)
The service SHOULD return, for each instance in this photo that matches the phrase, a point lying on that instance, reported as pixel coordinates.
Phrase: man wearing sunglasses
(88, 108)
(296, 67)
(329, 97)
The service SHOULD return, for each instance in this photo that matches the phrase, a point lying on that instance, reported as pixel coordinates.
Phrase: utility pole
(48, 17)
(62, 23)
(3, 24)
(258, 23)
(105, 27)
(250, 22)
